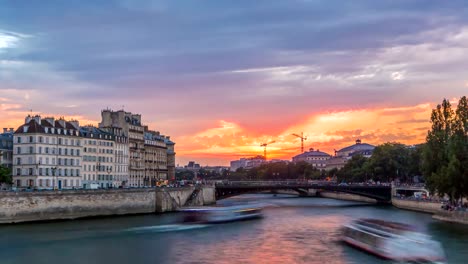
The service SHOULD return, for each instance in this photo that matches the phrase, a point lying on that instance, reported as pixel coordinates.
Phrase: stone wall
(414, 205)
(452, 216)
(53, 205)
(346, 197)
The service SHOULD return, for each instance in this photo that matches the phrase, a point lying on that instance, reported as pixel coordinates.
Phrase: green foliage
(279, 171)
(445, 155)
(389, 161)
(5, 175)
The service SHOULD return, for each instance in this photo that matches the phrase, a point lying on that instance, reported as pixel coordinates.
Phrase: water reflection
(294, 230)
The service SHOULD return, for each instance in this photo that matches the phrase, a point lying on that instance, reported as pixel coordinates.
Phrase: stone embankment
(54, 205)
(452, 216)
(346, 197)
(417, 205)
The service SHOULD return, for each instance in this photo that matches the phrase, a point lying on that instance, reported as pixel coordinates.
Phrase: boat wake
(164, 228)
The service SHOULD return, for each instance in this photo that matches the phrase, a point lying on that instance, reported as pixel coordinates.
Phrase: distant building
(247, 163)
(358, 148)
(316, 158)
(6, 147)
(343, 155)
(192, 166)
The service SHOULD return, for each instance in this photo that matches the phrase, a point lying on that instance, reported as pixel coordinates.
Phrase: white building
(47, 154)
(99, 159)
(316, 158)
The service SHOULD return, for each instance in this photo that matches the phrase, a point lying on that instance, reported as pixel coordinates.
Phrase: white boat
(212, 215)
(393, 241)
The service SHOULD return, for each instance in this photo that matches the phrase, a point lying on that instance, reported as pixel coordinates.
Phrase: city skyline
(222, 79)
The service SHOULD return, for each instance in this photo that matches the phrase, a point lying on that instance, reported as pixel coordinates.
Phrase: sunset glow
(221, 83)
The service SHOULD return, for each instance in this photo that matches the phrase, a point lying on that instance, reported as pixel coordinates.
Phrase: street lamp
(54, 169)
(109, 170)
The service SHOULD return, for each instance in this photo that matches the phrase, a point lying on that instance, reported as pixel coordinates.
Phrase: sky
(223, 77)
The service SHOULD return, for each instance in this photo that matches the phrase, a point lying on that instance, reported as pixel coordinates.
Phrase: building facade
(121, 158)
(155, 158)
(132, 128)
(99, 163)
(47, 154)
(6, 148)
(316, 158)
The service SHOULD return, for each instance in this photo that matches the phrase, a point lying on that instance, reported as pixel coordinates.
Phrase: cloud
(267, 68)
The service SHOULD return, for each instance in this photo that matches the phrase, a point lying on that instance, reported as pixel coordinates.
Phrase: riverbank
(417, 205)
(460, 217)
(16, 207)
(346, 197)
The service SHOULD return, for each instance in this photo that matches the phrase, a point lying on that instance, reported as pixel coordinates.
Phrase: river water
(294, 230)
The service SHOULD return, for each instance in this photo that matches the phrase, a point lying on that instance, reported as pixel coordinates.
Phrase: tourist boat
(393, 241)
(213, 215)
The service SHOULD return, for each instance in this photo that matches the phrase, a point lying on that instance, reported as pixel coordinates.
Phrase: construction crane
(264, 145)
(302, 140)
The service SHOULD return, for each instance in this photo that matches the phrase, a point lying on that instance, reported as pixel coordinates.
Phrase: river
(294, 230)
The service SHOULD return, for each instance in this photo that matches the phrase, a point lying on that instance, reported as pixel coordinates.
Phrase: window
(47, 171)
(40, 182)
(31, 139)
(31, 150)
(66, 141)
(72, 152)
(77, 172)
(47, 150)
(77, 152)
(19, 139)
(47, 182)
(47, 140)
(40, 139)
(60, 151)
(30, 171)
(18, 171)
(40, 150)
(72, 142)
(66, 172)
(18, 150)
(60, 141)
(66, 151)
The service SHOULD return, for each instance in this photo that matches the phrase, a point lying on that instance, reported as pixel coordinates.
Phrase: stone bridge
(225, 189)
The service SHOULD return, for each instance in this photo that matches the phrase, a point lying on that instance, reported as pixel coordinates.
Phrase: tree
(5, 175)
(445, 155)
(353, 170)
(389, 161)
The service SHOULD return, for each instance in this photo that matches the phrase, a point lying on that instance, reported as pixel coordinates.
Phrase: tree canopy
(5, 175)
(445, 156)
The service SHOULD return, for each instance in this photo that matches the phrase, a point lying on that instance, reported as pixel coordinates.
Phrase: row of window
(98, 168)
(60, 161)
(97, 159)
(100, 177)
(95, 150)
(99, 143)
(47, 172)
(47, 183)
(47, 140)
(47, 150)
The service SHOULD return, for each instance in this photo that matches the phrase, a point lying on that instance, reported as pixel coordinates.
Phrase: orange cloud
(325, 131)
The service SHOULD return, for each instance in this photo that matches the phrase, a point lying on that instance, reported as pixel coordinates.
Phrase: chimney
(12, 130)
(5, 130)
(27, 119)
(311, 149)
(358, 142)
(37, 118)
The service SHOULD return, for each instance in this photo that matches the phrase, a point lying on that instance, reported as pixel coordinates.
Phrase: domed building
(357, 149)
(315, 157)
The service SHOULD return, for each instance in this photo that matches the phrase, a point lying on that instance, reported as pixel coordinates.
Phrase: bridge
(226, 189)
